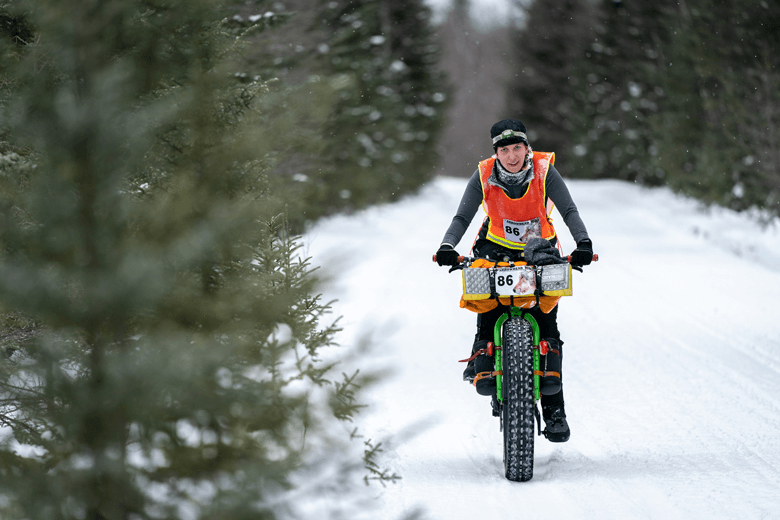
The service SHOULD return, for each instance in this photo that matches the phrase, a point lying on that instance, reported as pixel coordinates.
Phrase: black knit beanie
(513, 125)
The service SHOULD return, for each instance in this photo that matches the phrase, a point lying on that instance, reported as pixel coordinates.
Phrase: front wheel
(518, 396)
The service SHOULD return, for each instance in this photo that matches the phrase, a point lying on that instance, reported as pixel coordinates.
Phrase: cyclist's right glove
(446, 255)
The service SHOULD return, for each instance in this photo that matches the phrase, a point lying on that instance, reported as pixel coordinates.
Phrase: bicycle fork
(535, 341)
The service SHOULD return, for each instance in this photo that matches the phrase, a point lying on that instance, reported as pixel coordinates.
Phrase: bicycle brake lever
(577, 268)
(455, 267)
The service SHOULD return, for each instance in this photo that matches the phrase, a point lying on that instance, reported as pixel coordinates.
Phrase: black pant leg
(548, 323)
(486, 323)
(548, 328)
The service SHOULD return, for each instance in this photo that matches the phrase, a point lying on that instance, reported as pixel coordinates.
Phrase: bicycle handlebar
(461, 259)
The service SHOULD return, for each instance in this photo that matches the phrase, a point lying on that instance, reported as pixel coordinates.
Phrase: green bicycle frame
(515, 311)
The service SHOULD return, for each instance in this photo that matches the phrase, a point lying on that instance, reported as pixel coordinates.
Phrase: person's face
(512, 156)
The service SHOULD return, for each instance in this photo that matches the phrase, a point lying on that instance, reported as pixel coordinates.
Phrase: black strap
(492, 278)
(538, 276)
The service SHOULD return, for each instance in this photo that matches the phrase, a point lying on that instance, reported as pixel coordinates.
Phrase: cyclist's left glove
(583, 255)
(446, 255)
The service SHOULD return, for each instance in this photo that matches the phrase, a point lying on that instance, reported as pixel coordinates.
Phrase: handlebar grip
(460, 259)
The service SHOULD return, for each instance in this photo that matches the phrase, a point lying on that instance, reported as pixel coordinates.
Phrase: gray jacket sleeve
(469, 204)
(559, 194)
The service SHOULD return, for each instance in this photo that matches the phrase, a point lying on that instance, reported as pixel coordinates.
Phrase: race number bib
(522, 232)
(515, 281)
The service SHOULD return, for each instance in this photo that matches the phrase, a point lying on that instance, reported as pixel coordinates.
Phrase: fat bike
(516, 345)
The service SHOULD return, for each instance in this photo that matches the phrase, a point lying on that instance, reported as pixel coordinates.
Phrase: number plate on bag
(515, 281)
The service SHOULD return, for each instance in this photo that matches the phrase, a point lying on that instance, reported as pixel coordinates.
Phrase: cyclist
(514, 187)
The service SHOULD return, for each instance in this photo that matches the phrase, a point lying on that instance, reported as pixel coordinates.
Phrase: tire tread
(518, 407)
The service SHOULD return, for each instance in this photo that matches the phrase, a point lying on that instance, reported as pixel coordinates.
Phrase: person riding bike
(517, 188)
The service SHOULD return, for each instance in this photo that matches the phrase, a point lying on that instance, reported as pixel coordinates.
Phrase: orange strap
(547, 374)
(486, 375)
(477, 353)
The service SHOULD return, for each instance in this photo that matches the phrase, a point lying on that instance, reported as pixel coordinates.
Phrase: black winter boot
(556, 428)
(469, 372)
(485, 364)
(481, 363)
(551, 364)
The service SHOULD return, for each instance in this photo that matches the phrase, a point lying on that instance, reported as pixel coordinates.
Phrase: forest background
(161, 330)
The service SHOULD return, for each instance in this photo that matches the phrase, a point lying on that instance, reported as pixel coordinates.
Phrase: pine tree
(672, 92)
(548, 51)
(381, 144)
(623, 79)
(377, 140)
(722, 114)
(162, 338)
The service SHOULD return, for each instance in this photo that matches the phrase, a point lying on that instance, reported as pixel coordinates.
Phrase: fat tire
(519, 405)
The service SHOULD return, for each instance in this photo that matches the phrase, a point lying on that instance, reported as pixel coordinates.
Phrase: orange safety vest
(513, 222)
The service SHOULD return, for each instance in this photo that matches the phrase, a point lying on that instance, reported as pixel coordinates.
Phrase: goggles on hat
(506, 134)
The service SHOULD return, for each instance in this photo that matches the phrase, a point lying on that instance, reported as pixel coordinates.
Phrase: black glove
(583, 255)
(446, 255)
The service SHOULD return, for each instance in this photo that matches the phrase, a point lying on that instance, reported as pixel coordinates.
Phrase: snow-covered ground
(672, 366)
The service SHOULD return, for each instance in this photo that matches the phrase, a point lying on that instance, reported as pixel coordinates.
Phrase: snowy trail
(672, 367)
